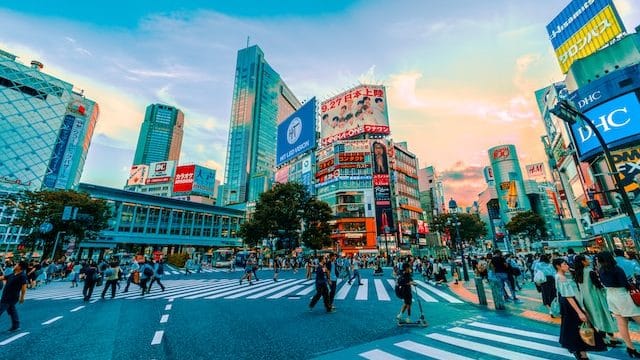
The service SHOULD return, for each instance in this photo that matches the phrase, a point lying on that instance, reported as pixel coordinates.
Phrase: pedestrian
(111, 275)
(158, 272)
(322, 289)
(187, 266)
(501, 273)
(405, 281)
(134, 275)
(254, 266)
(13, 292)
(332, 279)
(146, 273)
(356, 272)
(572, 315)
(248, 270)
(91, 276)
(594, 298)
(276, 268)
(619, 300)
(546, 276)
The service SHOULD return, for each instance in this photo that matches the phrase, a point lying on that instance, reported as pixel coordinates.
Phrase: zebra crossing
(293, 289)
(475, 339)
(170, 270)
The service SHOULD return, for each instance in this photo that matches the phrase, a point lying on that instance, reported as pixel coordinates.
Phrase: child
(405, 281)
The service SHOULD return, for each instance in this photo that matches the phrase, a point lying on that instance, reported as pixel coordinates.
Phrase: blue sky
(460, 74)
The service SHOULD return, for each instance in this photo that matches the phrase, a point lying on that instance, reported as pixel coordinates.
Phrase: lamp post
(453, 209)
(55, 245)
(568, 113)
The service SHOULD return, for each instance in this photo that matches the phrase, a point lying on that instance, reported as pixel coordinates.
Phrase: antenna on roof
(248, 41)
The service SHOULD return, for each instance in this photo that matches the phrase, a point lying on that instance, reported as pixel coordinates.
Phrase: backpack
(399, 289)
(108, 272)
(160, 270)
(147, 271)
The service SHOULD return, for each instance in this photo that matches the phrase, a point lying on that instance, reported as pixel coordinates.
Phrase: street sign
(46, 227)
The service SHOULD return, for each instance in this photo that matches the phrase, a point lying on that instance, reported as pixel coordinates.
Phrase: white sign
(536, 171)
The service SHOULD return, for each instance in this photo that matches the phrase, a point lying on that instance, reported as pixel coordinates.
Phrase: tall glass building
(46, 128)
(260, 101)
(160, 136)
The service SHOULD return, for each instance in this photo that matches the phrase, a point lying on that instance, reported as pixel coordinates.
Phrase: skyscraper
(160, 136)
(260, 101)
(46, 128)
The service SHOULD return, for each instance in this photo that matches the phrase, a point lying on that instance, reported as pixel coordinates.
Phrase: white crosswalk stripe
(189, 289)
(472, 340)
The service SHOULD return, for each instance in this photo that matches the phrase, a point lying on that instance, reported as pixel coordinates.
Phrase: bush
(178, 260)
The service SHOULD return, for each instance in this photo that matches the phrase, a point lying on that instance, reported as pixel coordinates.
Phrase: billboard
(297, 134)
(581, 28)
(381, 187)
(58, 151)
(488, 174)
(160, 172)
(618, 121)
(512, 197)
(73, 146)
(183, 181)
(535, 171)
(204, 180)
(362, 109)
(138, 175)
(628, 165)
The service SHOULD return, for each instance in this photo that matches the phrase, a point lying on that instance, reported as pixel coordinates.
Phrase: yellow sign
(603, 28)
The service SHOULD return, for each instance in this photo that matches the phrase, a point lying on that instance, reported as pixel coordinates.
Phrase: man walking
(356, 272)
(14, 291)
(321, 288)
(91, 276)
(146, 273)
(134, 270)
(158, 272)
(501, 272)
(333, 280)
(111, 274)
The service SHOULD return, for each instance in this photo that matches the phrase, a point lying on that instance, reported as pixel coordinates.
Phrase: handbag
(635, 296)
(587, 334)
(555, 307)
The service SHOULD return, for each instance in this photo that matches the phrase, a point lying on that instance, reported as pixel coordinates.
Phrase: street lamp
(568, 113)
(453, 209)
(55, 245)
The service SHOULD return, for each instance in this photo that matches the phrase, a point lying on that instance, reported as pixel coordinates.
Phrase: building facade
(260, 101)
(160, 137)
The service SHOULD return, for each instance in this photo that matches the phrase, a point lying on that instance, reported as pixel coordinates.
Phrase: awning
(368, 251)
(565, 243)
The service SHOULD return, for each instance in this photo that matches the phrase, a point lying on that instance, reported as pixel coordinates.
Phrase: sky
(460, 74)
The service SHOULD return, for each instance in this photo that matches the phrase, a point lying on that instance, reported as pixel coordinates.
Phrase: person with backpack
(158, 272)
(111, 274)
(146, 273)
(403, 291)
(91, 276)
(134, 272)
(322, 288)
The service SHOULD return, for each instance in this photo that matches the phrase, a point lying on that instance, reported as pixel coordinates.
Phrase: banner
(536, 171)
(184, 178)
(297, 134)
(138, 175)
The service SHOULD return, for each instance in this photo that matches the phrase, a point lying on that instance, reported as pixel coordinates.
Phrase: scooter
(421, 322)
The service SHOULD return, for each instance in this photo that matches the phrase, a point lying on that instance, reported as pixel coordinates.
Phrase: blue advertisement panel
(297, 134)
(203, 181)
(58, 151)
(618, 121)
(572, 18)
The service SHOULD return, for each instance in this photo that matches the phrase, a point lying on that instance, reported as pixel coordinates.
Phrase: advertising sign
(160, 172)
(297, 133)
(360, 110)
(184, 178)
(381, 188)
(488, 174)
(628, 164)
(535, 171)
(618, 121)
(69, 153)
(138, 175)
(282, 175)
(582, 28)
(204, 181)
(58, 150)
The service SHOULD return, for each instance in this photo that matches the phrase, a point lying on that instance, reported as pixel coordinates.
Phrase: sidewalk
(531, 306)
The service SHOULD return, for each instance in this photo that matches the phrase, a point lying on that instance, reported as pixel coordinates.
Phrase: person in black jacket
(405, 281)
(91, 276)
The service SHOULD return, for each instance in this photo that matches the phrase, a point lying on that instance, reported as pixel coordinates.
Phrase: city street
(211, 316)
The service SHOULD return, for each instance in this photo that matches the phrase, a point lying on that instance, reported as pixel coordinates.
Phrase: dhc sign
(616, 120)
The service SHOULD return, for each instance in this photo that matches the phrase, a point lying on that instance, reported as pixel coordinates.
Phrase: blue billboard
(573, 17)
(58, 151)
(618, 120)
(297, 134)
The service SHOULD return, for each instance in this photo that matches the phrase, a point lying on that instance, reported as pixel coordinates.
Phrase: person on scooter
(405, 281)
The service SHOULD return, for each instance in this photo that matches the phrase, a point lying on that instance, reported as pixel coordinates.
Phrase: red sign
(351, 157)
(184, 178)
(501, 153)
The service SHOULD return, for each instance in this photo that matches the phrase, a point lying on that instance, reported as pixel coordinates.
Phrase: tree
(528, 223)
(471, 227)
(38, 207)
(281, 212)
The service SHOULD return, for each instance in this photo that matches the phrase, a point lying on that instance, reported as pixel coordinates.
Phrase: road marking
(157, 337)
(52, 320)
(382, 293)
(379, 355)
(430, 351)
(442, 294)
(287, 291)
(307, 291)
(168, 307)
(93, 301)
(487, 349)
(13, 338)
(164, 318)
(78, 308)
(363, 290)
(513, 331)
(171, 300)
(344, 290)
(269, 291)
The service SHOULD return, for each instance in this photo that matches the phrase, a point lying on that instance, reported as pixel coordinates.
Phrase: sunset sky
(460, 74)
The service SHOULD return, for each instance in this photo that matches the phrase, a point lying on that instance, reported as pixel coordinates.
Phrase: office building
(160, 136)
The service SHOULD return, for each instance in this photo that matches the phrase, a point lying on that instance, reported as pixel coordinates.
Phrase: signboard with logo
(618, 121)
(381, 187)
(160, 172)
(204, 180)
(583, 27)
(488, 174)
(360, 110)
(535, 171)
(138, 175)
(58, 150)
(183, 181)
(297, 133)
(628, 164)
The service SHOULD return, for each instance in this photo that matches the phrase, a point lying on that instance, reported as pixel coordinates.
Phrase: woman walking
(548, 287)
(618, 298)
(594, 298)
(572, 314)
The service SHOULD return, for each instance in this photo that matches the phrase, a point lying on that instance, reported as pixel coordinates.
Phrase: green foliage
(528, 223)
(178, 259)
(471, 227)
(281, 212)
(43, 206)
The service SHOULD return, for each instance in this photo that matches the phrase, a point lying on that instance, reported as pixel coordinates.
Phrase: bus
(222, 258)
